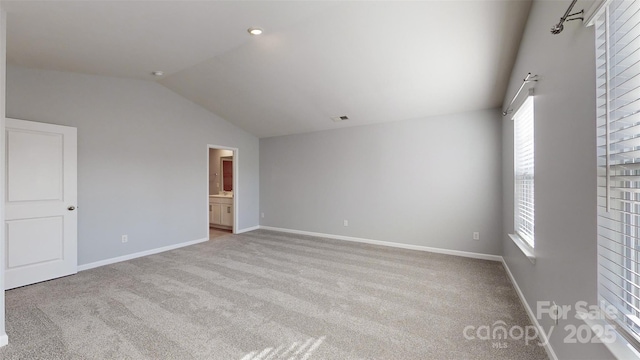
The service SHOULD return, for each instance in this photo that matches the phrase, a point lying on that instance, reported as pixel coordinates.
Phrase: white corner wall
(427, 182)
(142, 158)
(565, 171)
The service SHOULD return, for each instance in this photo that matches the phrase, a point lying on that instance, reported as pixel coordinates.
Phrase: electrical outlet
(476, 236)
(262, 215)
(346, 223)
(125, 238)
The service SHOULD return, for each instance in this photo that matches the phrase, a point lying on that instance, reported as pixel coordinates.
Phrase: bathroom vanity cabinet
(221, 212)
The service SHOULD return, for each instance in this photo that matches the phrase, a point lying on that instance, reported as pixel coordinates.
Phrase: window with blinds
(618, 140)
(523, 181)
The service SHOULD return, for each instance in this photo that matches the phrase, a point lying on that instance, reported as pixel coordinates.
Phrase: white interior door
(40, 202)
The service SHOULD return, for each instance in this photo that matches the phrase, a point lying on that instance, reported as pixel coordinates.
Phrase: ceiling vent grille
(340, 118)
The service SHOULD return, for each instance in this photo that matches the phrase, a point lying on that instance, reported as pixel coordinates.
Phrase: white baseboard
(138, 254)
(390, 244)
(532, 316)
(248, 229)
(4, 340)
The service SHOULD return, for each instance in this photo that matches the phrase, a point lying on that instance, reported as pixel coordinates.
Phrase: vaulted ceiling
(374, 61)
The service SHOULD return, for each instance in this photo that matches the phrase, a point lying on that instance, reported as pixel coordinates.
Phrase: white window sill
(619, 346)
(526, 249)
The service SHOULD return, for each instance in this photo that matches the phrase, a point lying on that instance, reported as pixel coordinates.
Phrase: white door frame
(236, 188)
(4, 339)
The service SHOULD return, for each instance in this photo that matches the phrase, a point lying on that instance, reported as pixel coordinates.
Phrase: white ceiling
(374, 61)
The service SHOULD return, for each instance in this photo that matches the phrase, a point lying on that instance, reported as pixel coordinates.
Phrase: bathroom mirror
(226, 169)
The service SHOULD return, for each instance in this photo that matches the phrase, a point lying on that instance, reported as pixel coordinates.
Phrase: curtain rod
(528, 79)
(557, 28)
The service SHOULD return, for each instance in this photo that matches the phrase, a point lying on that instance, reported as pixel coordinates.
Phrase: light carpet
(269, 295)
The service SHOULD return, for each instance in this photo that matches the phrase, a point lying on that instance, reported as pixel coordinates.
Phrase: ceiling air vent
(340, 118)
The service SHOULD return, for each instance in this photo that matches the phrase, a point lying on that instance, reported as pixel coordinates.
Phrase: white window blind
(618, 140)
(523, 153)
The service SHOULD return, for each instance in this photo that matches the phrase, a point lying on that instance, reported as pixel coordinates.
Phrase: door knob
(71, 208)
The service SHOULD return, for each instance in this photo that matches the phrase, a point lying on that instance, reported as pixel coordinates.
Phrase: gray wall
(142, 158)
(565, 170)
(429, 182)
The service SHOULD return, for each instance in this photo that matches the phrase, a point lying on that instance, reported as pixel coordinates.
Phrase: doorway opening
(222, 204)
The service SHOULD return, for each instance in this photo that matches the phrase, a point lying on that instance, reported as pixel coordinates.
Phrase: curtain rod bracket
(575, 16)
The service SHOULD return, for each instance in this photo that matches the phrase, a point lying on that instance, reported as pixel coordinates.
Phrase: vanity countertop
(229, 196)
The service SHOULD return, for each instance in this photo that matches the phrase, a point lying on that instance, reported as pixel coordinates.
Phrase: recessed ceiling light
(157, 73)
(254, 31)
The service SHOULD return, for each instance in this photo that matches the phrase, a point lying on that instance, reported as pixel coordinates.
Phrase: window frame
(525, 241)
